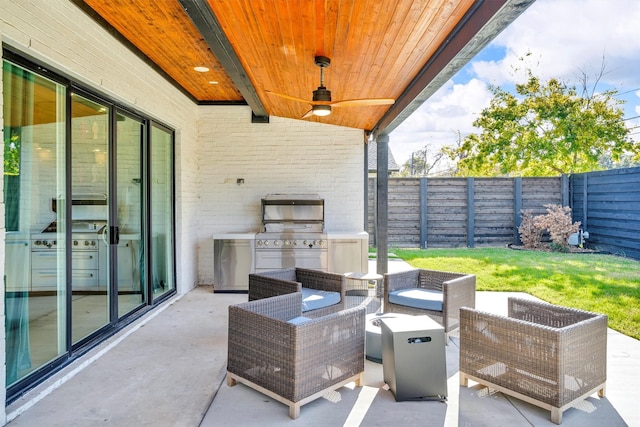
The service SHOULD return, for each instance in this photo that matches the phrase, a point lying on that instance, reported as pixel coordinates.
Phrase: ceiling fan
(321, 102)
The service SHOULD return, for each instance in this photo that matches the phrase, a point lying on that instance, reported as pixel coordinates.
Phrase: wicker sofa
(294, 361)
(279, 282)
(452, 290)
(547, 355)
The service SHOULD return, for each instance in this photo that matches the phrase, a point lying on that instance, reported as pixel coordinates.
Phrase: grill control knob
(276, 242)
(266, 243)
(305, 243)
(295, 243)
(75, 243)
(315, 242)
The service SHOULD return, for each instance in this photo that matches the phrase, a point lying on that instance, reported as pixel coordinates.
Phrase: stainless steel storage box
(233, 261)
(413, 358)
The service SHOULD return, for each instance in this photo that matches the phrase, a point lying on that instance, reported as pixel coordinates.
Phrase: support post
(365, 226)
(382, 204)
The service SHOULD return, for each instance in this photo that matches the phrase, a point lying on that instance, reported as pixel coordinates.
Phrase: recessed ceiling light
(213, 82)
(201, 69)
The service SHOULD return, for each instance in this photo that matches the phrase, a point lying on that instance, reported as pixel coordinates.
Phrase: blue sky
(565, 39)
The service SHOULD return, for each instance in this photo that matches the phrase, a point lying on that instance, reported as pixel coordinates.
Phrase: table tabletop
(363, 276)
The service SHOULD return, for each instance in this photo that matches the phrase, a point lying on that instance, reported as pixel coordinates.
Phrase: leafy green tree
(545, 129)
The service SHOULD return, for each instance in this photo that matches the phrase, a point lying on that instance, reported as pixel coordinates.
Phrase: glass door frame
(113, 209)
(148, 173)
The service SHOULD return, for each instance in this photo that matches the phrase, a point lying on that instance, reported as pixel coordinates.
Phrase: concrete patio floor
(168, 369)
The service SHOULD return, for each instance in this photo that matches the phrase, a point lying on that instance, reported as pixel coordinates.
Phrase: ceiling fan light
(321, 110)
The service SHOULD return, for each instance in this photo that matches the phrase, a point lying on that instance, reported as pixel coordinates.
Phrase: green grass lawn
(599, 283)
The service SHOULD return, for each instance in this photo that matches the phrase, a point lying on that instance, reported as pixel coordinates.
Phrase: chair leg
(602, 391)
(360, 380)
(464, 380)
(294, 410)
(230, 380)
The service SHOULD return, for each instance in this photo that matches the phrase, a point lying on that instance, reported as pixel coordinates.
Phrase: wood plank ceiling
(377, 48)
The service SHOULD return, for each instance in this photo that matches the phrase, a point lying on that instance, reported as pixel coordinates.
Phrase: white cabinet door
(348, 255)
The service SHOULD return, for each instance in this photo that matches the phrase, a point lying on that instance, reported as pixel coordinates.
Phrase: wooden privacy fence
(473, 212)
(462, 212)
(608, 205)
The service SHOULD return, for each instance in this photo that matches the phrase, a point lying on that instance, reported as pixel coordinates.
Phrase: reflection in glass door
(35, 260)
(89, 212)
(129, 189)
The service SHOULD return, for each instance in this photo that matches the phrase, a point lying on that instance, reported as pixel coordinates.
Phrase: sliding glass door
(161, 221)
(34, 176)
(89, 218)
(129, 265)
(90, 290)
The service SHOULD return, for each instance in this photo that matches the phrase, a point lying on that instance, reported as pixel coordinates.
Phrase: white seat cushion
(313, 299)
(417, 298)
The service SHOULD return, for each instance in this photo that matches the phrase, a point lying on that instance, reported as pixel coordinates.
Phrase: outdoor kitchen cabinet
(233, 261)
(348, 252)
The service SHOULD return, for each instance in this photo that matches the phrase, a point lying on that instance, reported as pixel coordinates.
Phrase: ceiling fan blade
(292, 98)
(363, 102)
(307, 114)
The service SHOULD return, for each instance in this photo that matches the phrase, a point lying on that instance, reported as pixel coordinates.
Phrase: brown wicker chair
(289, 280)
(547, 355)
(458, 290)
(294, 363)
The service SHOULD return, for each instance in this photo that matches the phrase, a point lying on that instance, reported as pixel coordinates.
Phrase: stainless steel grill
(88, 253)
(292, 234)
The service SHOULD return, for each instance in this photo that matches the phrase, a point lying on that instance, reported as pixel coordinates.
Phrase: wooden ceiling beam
(208, 25)
(482, 23)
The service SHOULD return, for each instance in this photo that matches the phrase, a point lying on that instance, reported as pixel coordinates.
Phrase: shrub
(530, 232)
(558, 223)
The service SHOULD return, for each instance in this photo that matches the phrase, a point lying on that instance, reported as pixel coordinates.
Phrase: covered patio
(244, 121)
(120, 386)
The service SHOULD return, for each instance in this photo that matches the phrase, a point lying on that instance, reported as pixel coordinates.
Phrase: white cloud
(452, 108)
(565, 38)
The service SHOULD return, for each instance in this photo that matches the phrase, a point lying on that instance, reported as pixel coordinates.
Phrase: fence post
(517, 209)
(423, 213)
(471, 207)
(564, 190)
(585, 195)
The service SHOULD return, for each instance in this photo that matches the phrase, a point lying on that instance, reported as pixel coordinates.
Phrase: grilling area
(292, 234)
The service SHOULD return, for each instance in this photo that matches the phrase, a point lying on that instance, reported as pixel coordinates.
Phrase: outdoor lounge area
(196, 393)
